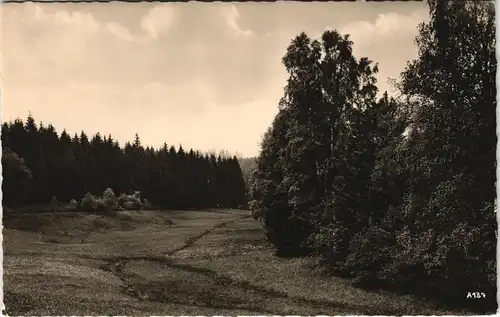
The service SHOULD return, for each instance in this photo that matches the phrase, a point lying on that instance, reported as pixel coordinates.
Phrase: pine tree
(69, 167)
(137, 141)
(237, 187)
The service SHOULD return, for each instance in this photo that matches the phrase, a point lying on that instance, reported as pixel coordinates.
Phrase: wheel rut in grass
(218, 290)
(116, 265)
(320, 306)
(192, 240)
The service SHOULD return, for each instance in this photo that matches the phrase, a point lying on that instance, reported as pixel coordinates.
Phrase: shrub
(105, 204)
(108, 194)
(89, 202)
(332, 243)
(136, 195)
(130, 202)
(136, 204)
(368, 252)
(129, 205)
(253, 205)
(72, 205)
(108, 201)
(122, 199)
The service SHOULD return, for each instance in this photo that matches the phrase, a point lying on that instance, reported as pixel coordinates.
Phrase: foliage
(108, 194)
(131, 205)
(89, 202)
(17, 179)
(314, 157)
(392, 191)
(130, 202)
(40, 164)
(73, 205)
(108, 200)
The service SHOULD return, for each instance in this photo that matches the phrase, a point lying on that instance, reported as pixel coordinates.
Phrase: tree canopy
(398, 191)
(44, 164)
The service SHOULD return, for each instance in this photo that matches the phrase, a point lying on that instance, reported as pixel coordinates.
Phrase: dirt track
(168, 263)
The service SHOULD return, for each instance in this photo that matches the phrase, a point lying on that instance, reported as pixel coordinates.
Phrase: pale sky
(204, 75)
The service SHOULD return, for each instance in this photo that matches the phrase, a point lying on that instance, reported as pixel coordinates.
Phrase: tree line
(395, 191)
(39, 164)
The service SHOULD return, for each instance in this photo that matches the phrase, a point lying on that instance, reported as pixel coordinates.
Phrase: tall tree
(452, 163)
(325, 160)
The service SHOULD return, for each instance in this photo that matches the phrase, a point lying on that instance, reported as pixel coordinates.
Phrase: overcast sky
(206, 75)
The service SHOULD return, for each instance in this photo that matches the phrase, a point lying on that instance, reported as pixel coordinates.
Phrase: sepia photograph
(249, 158)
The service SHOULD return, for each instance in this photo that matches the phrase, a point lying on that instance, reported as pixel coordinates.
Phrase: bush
(130, 202)
(136, 204)
(108, 201)
(129, 205)
(106, 204)
(122, 199)
(332, 243)
(72, 205)
(368, 252)
(89, 202)
(108, 194)
(253, 205)
(136, 195)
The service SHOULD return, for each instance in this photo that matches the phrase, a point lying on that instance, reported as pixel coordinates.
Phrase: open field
(170, 263)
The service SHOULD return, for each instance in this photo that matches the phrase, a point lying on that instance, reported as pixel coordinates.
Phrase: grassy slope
(140, 263)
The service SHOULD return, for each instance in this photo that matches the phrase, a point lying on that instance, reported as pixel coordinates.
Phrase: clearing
(212, 262)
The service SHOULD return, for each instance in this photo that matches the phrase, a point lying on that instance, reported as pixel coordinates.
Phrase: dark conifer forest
(396, 191)
(39, 164)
